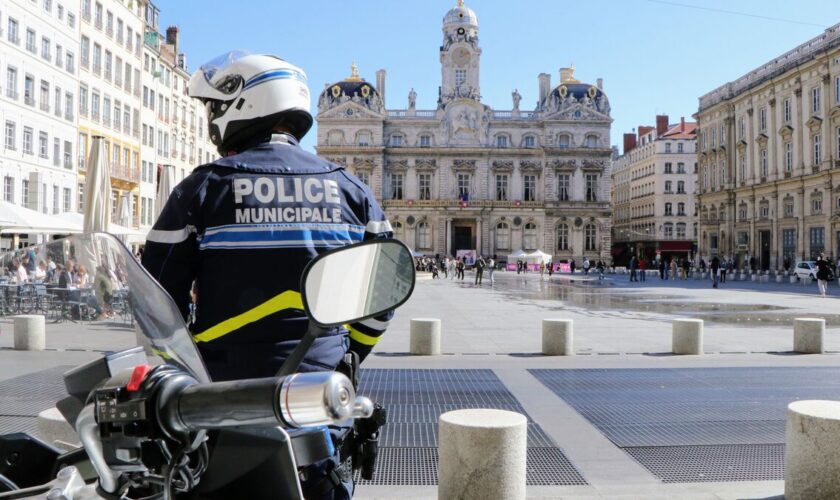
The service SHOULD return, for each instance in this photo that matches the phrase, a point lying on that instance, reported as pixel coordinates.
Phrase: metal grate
(28, 395)
(424, 434)
(9, 425)
(418, 467)
(691, 464)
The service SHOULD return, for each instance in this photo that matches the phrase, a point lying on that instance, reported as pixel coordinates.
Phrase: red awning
(675, 246)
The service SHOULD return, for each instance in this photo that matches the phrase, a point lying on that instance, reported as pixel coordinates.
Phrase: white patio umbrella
(165, 185)
(17, 219)
(97, 189)
(76, 219)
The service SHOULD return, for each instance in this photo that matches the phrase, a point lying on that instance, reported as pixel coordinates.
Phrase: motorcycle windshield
(96, 288)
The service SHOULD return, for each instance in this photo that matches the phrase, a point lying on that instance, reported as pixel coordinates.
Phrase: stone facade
(653, 194)
(465, 176)
(769, 156)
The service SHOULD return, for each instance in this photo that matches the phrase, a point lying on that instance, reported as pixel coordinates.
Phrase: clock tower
(459, 56)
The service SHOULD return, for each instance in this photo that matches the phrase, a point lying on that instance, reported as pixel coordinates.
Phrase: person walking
(715, 269)
(634, 263)
(542, 270)
(599, 266)
(479, 270)
(491, 270)
(673, 269)
(642, 270)
(724, 268)
(823, 274)
(550, 269)
(572, 267)
(586, 265)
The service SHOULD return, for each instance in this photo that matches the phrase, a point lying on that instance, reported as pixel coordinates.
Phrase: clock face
(461, 56)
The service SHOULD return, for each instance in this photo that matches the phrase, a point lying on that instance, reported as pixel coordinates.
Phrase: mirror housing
(356, 282)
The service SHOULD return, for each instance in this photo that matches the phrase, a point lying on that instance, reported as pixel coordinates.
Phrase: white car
(807, 269)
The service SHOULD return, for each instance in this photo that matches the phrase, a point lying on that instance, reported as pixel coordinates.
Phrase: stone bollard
(812, 450)
(558, 337)
(482, 454)
(730, 276)
(54, 429)
(424, 337)
(793, 278)
(742, 277)
(779, 278)
(753, 277)
(765, 278)
(808, 334)
(30, 332)
(687, 336)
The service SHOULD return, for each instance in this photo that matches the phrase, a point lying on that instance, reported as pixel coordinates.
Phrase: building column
(447, 236)
(774, 255)
(800, 225)
(478, 235)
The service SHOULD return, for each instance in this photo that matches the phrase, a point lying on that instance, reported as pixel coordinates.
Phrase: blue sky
(654, 56)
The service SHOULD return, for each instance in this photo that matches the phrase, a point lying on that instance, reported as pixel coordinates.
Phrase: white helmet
(247, 95)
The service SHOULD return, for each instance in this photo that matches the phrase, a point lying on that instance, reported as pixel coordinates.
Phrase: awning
(15, 219)
(115, 229)
(675, 246)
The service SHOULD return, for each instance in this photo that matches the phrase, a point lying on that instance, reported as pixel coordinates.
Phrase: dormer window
(530, 141)
(396, 140)
(364, 138)
(501, 141)
(591, 141)
(564, 141)
(425, 141)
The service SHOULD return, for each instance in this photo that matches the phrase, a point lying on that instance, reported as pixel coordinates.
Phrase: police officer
(242, 228)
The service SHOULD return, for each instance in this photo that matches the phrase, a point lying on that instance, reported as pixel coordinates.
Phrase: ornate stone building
(465, 176)
(653, 192)
(769, 155)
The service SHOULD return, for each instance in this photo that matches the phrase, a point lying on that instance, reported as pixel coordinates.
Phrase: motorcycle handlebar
(298, 400)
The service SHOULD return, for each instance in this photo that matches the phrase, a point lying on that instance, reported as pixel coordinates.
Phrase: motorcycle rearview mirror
(357, 282)
(350, 284)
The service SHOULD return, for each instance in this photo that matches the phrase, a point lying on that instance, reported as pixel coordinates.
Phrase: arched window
(424, 235)
(589, 234)
(335, 138)
(501, 141)
(681, 230)
(364, 138)
(502, 236)
(563, 237)
(425, 140)
(591, 141)
(529, 236)
(668, 230)
(564, 140)
(398, 231)
(530, 141)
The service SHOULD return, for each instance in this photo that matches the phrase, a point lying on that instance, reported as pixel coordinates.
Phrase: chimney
(629, 142)
(545, 86)
(599, 83)
(567, 74)
(682, 124)
(172, 37)
(661, 125)
(380, 84)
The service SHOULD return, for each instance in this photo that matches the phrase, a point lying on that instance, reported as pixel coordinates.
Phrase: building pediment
(424, 164)
(338, 160)
(814, 123)
(786, 131)
(761, 138)
(563, 165)
(363, 164)
(594, 165)
(349, 110)
(530, 166)
(397, 165)
(503, 166)
(464, 165)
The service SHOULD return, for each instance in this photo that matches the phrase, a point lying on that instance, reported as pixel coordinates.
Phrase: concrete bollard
(808, 334)
(30, 332)
(812, 450)
(793, 279)
(53, 429)
(482, 454)
(779, 278)
(687, 336)
(730, 276)
(742, 277)
(765, 278)
(558, 337)
(424, 337)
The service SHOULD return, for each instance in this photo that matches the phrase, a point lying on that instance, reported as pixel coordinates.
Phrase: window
(46, 53)
(396, 186)
(564, 141)
(502, 236)
(108, 67)
(815, 100)
(679, 147)
(816, 205)
(563, 185)
(84, 47)
(563, 237)
(10, 135)
(82, 150)
(668, 230)
(667, 147)
(425, 141)
(667, 186)
(59, 55)
(57, 101)
(763, 162)
(817, 150)
(30, 40)
(48, 5)
(788, 208)
(669, 209)
(837, 90)
(501, 187)
(530, 141)
(55, 199)
(681, 230)
(680, 187)
(67, 199)
(13, 31)
(11, 85)
(460, 77)
(396, 140)
(529, 191)
(464, 186)
(764, 211)
(24, 190)
(68, 155)
(27, 140)
(786, 111)
(668, 168)
(788, 157)
(589, 237)
(591, 187)
(56, 152)
(501, 141)
(424, 235)
(97, 58)
(9, 189)
(83, 100)
(71, 20)
(424, 182)
(529, 236)
(591, 141)
(43, 145)
(817, 241)
(680, 208)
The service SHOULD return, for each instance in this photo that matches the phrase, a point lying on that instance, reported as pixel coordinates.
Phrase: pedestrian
(642, 269)
(572, 267)
(462, 264)
(518, 266)
(724, 267)
(491, 270)
(542, 270)
(673, 269)
(634, 263)
(823, 274)
(662, 269)
(550, 269)
(586, 265)
(685, 267)
(715, 269)
(479, 270)
(600, 268)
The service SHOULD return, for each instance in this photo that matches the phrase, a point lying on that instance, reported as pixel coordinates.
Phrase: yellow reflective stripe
(161, 353)
(361, 337)
(286, 300)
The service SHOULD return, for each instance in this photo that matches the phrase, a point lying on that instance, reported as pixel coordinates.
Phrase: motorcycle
(151, 422)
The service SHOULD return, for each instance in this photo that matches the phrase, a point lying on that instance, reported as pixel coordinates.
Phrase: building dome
(571, 90)
(353, 88)
(461, 15)
(577, 90)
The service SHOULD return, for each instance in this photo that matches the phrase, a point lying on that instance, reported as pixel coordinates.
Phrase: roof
(674, 131)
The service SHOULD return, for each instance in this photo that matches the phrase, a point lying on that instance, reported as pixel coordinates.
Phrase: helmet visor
(221, 62)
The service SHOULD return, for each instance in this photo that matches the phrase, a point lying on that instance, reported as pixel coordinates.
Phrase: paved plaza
(624, 418)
